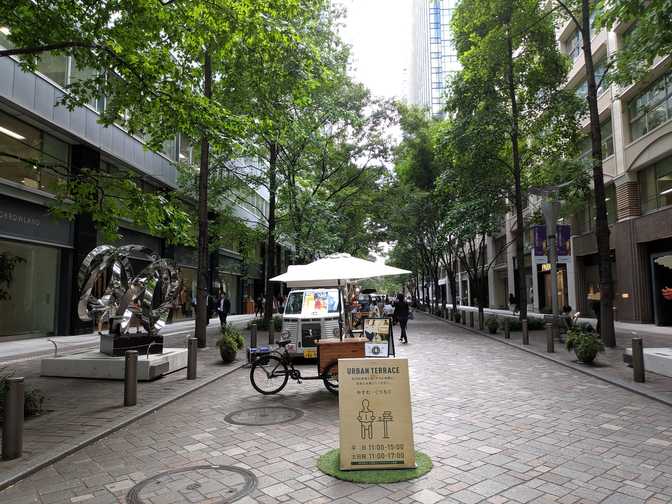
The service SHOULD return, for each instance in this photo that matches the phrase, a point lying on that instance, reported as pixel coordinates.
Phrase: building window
(607, 142)
(600, 73)
(651, 108)
(655, 184)
(29, 156)
(574, 45)
(55, 67)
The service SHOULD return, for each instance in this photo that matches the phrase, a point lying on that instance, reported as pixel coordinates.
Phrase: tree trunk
(520, 225)
(270, 237)
(601, 222)
(203, 255)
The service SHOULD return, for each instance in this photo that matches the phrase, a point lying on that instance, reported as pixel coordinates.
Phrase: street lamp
(551, 209)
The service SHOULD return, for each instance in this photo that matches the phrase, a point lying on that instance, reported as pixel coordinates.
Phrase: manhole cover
(211, 483)
(263, 415)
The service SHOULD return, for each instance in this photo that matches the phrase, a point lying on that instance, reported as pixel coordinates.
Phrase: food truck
(311, 314)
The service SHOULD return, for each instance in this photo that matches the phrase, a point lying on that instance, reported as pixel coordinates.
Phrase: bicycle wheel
(330, 378)
(269, 375)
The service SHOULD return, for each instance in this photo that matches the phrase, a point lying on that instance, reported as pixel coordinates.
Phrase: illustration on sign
(376, 428)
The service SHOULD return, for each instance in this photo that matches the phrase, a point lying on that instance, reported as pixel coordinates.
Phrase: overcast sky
(379, 32)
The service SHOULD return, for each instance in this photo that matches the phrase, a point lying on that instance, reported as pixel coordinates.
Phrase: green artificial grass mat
(329, 463)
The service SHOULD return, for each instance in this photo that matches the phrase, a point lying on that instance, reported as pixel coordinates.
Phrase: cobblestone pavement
(76, 409)
(609, 364)
(501, 425)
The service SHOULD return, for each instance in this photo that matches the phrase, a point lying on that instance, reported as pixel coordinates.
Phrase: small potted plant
(229, 343)
(492, 325)
(586, 344)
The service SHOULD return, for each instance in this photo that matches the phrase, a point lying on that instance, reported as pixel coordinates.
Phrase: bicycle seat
(283, 343)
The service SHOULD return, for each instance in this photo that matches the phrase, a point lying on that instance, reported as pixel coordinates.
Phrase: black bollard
(471, 318)
(550, 344)
(253, 335)
(12, 427)
(131, 378)
(526, 333)
(192, 354)
(507, 328)
(638, 372)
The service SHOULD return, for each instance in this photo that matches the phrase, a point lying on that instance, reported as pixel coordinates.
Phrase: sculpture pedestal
(117, 344)
(101, 366)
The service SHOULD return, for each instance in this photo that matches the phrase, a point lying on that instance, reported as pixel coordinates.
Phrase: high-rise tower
(433, 58)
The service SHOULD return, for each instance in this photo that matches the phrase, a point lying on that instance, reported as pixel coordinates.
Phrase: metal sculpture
(146, 298)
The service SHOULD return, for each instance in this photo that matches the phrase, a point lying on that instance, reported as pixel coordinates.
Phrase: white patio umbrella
(334, 269)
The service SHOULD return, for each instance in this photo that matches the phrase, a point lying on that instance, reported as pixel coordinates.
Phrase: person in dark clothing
(513, 303)
(401, 311)
(223, 308)
(259, 306)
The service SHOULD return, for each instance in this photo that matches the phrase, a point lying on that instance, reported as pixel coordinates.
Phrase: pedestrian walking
(513, 303)
(259, 306)
(401, 313)
(223, 308)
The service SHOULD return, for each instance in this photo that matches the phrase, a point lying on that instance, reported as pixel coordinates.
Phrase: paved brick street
(77, 409)
(501, 425)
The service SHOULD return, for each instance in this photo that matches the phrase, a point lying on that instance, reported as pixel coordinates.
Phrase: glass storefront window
(185, 308)
(28, 300)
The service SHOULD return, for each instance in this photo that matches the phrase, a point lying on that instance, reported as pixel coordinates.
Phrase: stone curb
(575, 367)
(92, 438)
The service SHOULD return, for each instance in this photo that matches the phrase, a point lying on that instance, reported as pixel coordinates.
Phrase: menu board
(379, 333)
(376, 426)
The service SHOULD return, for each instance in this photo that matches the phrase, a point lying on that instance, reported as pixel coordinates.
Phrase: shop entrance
(545, 291)
(661, 276)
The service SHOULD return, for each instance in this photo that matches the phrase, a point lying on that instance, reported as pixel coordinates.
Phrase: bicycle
(270, 372)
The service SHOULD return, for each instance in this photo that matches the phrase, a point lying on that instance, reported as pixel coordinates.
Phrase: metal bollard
(550, 344)
(638, 373)
(526, 332)
(471, 319)
(131, 378)
(464, 317)
(12, 428)
(507, 328)
(253, 335)
(192, 355)
(271, 333)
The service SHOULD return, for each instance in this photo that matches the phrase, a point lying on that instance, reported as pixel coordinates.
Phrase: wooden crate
(331, 349)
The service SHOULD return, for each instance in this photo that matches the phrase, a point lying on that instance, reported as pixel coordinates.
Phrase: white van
(310, 314)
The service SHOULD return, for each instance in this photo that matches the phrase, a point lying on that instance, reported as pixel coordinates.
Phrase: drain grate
(265, 415)
(214, 483)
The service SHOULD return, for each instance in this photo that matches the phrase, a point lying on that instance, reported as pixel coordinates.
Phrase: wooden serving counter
(329, 350)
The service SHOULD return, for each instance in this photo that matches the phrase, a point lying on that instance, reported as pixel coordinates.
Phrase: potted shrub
(229, 343)
(492, 325)
(277, 323)
(586, 344)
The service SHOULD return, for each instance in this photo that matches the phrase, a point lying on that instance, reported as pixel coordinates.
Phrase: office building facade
(40, 142)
